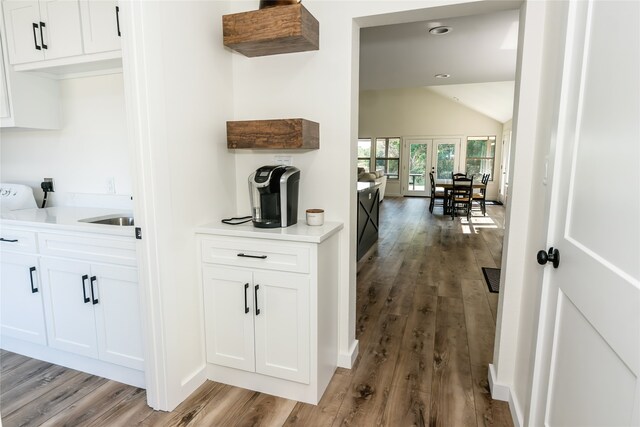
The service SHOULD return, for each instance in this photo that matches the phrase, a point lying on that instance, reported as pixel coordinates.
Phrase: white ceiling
(480, 49)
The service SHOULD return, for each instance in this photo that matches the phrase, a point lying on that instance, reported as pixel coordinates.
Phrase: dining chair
(461, 195)
(435, 194)
(458, 175)
(481, 195)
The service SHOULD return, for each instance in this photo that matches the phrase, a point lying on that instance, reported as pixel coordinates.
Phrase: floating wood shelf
(274, 134)
(271, 31)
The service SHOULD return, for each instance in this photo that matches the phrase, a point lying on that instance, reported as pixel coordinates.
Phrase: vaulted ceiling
(478, 53)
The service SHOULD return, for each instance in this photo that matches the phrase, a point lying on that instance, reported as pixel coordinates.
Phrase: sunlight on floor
(476, 223)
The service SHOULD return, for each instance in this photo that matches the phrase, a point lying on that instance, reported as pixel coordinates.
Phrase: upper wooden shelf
(271, 31)
(274, 134)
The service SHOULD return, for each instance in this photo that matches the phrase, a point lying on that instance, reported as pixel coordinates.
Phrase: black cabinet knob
(552, 256)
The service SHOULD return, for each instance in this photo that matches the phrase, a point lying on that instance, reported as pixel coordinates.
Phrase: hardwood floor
(425, 321)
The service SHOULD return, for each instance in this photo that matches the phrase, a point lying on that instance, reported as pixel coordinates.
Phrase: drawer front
(113, 250)
(15, 240)
(256, 253)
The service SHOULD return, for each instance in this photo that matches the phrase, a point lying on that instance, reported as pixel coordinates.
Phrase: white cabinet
(100, 25)
(42, 30)
(270, 307)
(92, 309)
(258, 321)
(21, 311)
(26, 101)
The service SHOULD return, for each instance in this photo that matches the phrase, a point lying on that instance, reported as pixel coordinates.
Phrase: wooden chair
(435, 195)
(461, 195)
(481, 196)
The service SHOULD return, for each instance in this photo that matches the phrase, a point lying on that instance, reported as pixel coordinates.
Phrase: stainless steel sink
(120, 220)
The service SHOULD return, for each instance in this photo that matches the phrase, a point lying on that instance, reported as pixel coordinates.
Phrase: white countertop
(366, 185)
(67, 218)
(300, 232)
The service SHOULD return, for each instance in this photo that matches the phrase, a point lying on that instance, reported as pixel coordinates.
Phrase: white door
(61, 34)
(446, 158)
(117, 311)
(21, 311)
(416, 167)
(282, 325)
(229, 311)
(594, 295)
(100, 25)
(68, 305)
(22, 22)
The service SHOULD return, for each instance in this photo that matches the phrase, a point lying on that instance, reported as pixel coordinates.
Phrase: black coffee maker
(274, 196)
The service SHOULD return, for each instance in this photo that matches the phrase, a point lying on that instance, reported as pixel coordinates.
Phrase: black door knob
(553, 255)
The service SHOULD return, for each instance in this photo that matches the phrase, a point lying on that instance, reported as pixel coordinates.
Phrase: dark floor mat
(492, 277)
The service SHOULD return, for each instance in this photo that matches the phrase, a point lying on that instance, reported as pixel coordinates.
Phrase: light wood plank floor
(425, 321)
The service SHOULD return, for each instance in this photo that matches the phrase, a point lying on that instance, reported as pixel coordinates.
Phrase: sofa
(377, 177)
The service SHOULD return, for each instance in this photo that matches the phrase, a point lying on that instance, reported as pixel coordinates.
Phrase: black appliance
(274, 196)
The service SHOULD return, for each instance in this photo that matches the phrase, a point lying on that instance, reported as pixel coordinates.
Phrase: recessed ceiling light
(438, 31)
(442, 76)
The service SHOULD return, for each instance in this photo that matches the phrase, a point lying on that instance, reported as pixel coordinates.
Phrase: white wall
(90, 148)
(422, 112)
(178, 89)
(323, 86)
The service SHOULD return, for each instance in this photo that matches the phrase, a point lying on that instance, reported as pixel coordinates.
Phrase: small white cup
(315, 216)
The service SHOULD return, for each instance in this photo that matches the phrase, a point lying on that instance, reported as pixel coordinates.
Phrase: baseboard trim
(500, 391)
(346, 360)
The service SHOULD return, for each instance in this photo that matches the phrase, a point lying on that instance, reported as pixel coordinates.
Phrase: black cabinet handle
(33, 288)
(246, 306)
(253, 256)
(118, 20)
(35, 38)
(256, 301)
(93, 297)
(44, 46)
(2, 239)
(84, 288)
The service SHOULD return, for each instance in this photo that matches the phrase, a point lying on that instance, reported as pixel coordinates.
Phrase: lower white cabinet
(92, 310)
(21, 311)
(258, 321)
(270, 301)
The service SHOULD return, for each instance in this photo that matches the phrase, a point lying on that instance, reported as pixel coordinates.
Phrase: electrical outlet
(283, 160)
(47, 185)
(111, 185)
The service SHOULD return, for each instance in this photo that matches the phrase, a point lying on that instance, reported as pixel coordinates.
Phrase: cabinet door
(117, 310)
(70, 319)
(228, 308)
(23, 39)
(4, 87)
(282, 325)
(100, 26)
(62, 34)
(21, 311)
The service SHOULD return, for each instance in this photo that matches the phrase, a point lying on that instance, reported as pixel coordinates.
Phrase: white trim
(498, 391)
(503, 392)
(346, 360)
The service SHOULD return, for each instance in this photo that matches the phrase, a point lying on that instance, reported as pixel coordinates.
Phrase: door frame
(505, 165)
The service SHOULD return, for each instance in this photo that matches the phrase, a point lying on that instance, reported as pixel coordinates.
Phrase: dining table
(447, 186)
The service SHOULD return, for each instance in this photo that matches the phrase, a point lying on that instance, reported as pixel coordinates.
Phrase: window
(364, 153)
(481, 153)
(388, 156)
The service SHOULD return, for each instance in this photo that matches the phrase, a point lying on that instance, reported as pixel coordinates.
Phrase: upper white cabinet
(100, 25)
(26, 100)
(41, 30)
(63, 37)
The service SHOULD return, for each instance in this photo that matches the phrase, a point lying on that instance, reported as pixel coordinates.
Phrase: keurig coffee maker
(274, 196)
